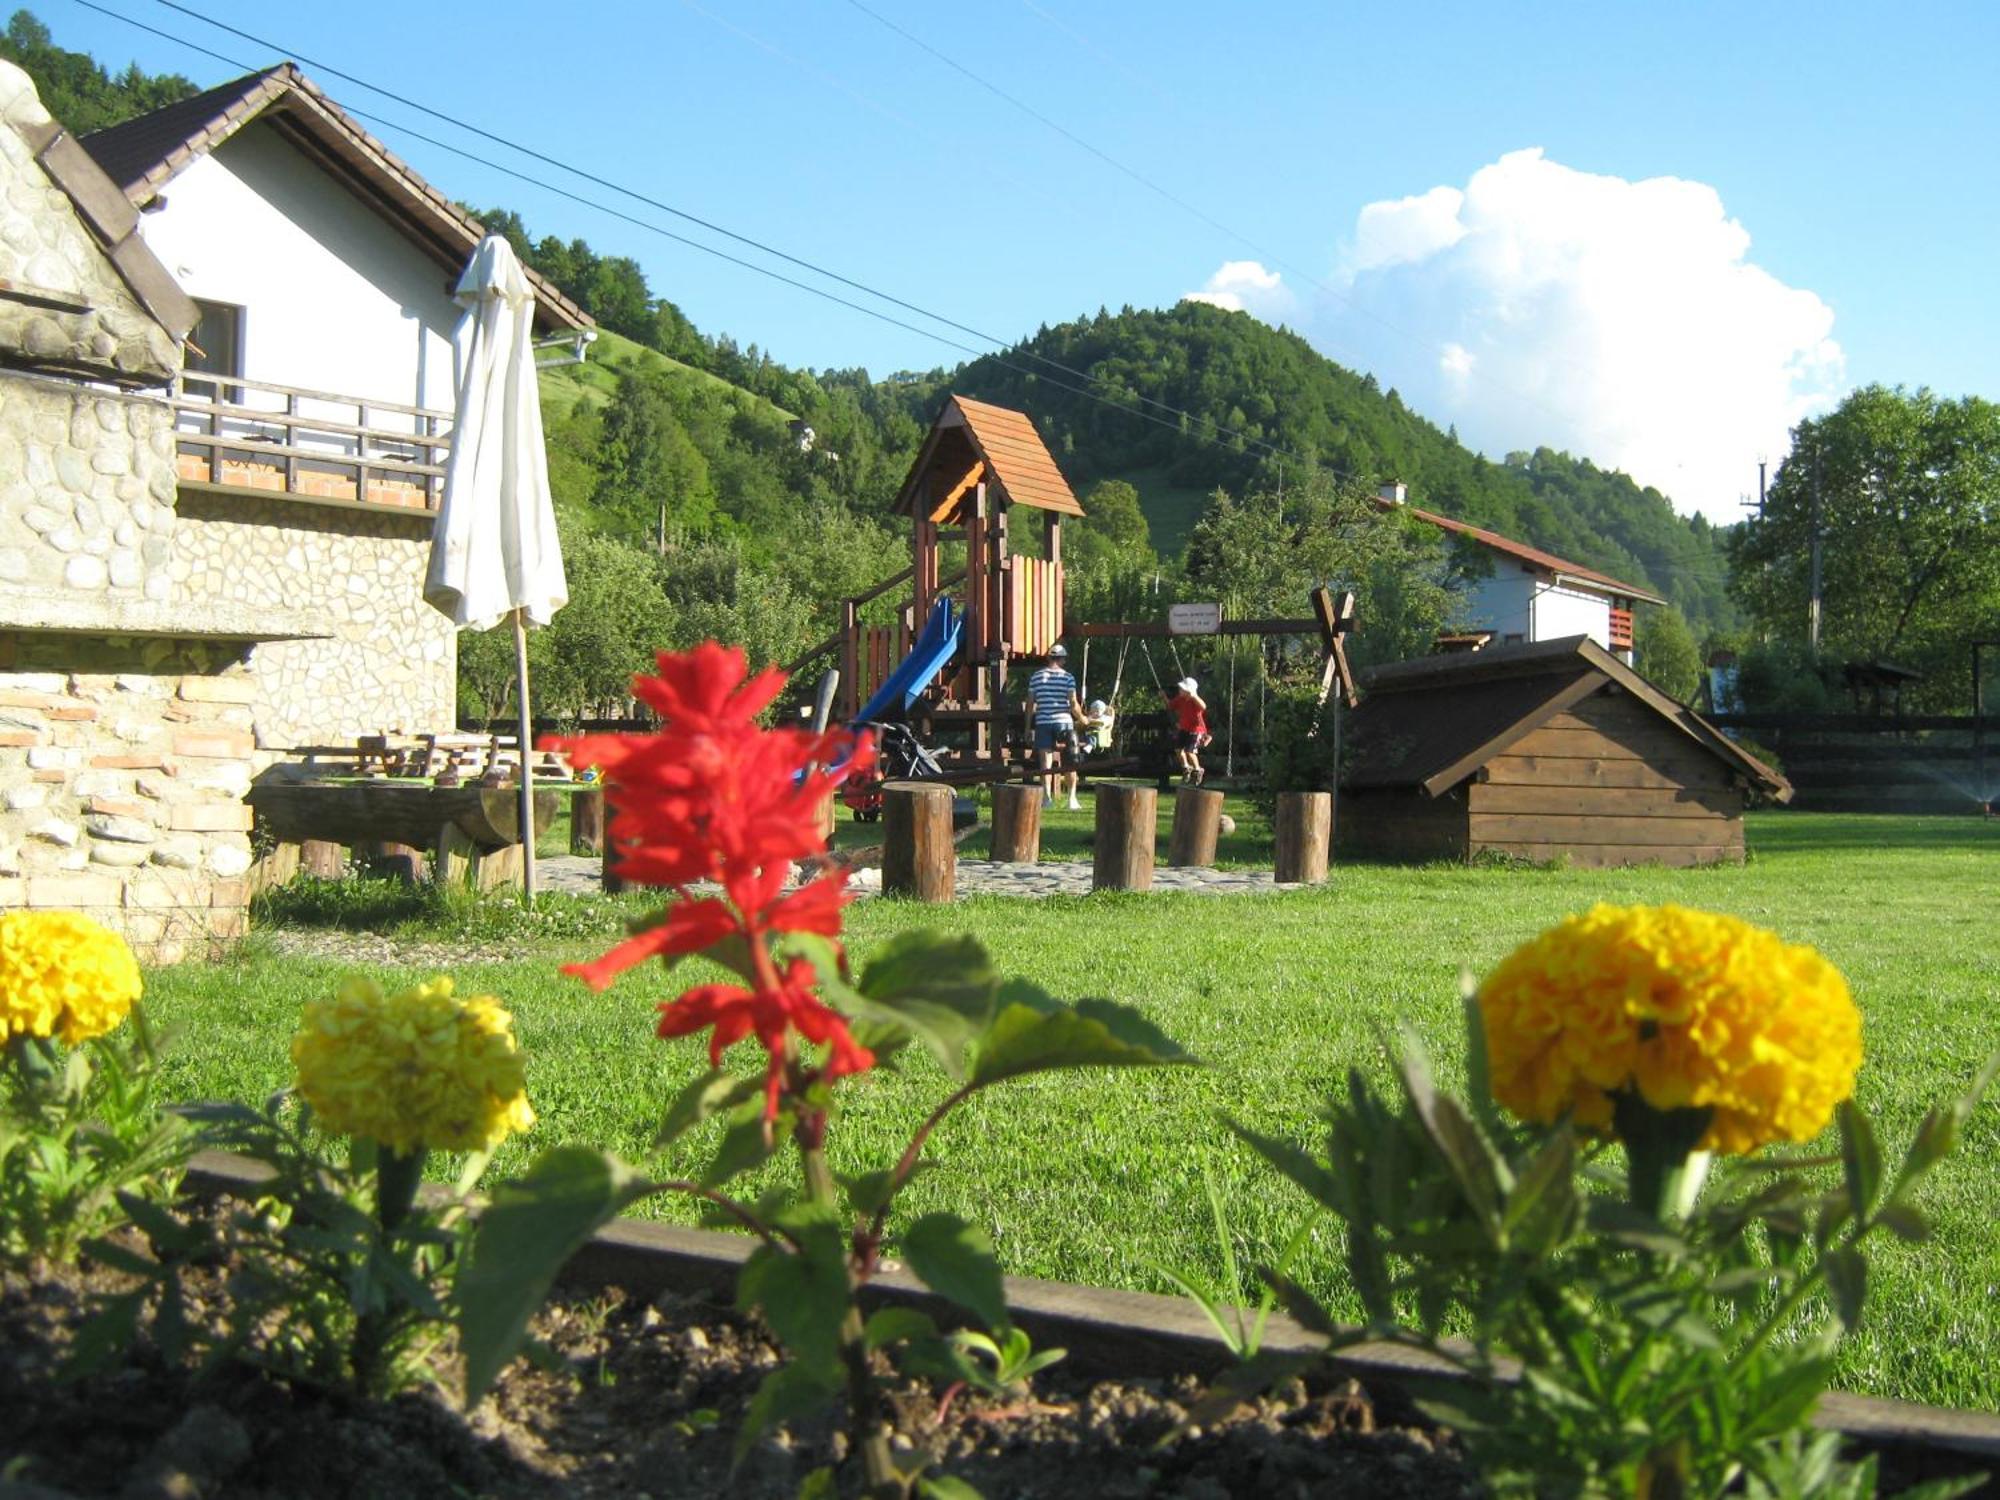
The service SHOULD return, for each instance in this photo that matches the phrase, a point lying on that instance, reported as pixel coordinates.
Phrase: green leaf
(1092, 1034)
(714, 1093)
(1847, 1281)
(955, 1259)
(891, 1325)
(531, 1227)
(787, 1393)
(1860, 1158)
(1481, 1175)
(1905, 1222)
(945, 1487)
(747, 1142)
(819, 1485)
(803, 1295)
(1295, 1164)
(1542, 1209)
(940, 988)
(1302, 1306)
(868, 1191)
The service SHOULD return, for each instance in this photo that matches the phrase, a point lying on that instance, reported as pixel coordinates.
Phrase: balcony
(1621, 630)
(315, 446)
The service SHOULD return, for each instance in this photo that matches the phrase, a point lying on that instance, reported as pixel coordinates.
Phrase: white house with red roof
(1532, 595)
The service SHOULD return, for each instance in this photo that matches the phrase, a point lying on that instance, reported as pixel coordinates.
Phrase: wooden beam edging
(1111, 1333)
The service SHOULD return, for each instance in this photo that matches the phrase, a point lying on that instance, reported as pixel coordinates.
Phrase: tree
(1909, 502)
(1108, 556)
(1665, 654)
(1257, 557)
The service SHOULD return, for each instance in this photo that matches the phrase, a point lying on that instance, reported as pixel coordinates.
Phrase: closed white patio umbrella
(494, 552)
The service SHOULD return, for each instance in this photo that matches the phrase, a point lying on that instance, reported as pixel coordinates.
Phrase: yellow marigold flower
(413, 1070)
(1688, 1008)
(61, 974)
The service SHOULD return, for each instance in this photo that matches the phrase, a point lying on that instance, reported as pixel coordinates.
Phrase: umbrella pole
(527, 778)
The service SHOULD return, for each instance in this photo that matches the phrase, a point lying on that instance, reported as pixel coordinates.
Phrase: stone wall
(123, 765)
(86, 494)
(383, 660)
(78, 311)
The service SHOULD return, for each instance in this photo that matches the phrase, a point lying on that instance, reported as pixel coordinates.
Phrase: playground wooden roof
(1006, 441)
(1432, 722)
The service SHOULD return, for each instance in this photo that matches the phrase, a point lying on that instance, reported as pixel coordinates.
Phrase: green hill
(612, 355)
(1250, 389)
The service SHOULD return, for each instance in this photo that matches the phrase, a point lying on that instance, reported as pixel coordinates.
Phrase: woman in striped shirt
(1057, 708)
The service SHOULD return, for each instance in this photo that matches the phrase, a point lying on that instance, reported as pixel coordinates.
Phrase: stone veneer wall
(123, 765)
(86, 492)
(385, 660)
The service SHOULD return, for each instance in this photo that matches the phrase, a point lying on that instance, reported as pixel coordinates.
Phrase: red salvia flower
(714, 797)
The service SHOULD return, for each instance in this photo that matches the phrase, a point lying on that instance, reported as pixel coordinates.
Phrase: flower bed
(1631, 1327)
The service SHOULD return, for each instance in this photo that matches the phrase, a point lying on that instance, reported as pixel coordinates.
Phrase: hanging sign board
(1194, 619)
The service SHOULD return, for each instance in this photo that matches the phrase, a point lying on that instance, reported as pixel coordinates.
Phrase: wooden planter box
(1111, 1333)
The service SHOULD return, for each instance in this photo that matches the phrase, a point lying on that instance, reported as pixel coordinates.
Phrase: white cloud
(1246, 286)
(1622, 320)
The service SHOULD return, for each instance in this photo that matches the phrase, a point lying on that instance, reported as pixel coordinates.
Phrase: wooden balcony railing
(316, 445)
(1621, 630)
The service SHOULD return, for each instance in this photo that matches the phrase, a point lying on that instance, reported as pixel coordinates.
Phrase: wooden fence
(1932, 763)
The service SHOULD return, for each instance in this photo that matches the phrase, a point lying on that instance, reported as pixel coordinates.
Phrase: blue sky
(1542, 299)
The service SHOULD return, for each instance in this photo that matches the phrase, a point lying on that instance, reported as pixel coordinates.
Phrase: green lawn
(1090, 1179)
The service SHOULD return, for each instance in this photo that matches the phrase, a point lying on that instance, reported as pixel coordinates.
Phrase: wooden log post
(404, 862)
(919, 858)
(828, 813)
(322, 857)
(586, 820)
(1304, 835)
(1197, 825)
(1017, 822)
(1127, 823)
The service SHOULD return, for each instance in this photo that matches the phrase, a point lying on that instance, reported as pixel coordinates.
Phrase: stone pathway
(976, 877)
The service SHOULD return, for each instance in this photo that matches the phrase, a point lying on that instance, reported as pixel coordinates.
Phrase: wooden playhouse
(1544, 751)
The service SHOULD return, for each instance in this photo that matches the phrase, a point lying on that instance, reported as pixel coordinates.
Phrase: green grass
(596, 379)
(1088, 1178)
(1171, 509)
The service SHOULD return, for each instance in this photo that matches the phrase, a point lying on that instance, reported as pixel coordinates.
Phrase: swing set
(1332, 621)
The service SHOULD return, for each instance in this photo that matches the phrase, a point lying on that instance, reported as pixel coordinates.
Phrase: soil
(641, 1400)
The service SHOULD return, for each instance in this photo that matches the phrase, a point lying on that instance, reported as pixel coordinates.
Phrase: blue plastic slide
(937, 644)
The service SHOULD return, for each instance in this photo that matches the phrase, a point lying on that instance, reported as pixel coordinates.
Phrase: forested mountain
(1249, 389)
(695, 505)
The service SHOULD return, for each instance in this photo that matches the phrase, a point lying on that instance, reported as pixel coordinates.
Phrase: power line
(651, 202)
(1216, 431)
(1428, 345)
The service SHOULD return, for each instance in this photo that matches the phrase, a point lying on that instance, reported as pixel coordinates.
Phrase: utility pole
(1813, 599)
(1760, 489)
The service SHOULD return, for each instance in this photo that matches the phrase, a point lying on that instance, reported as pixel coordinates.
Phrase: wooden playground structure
(979, 465)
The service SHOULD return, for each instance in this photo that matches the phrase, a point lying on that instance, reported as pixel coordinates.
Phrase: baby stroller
(899, 756)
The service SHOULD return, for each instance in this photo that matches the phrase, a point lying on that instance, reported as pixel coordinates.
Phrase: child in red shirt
(1190, 729)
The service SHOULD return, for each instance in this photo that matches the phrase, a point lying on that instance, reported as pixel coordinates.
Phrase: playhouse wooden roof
(1006, 440)
(143, 155)
(1432, 722)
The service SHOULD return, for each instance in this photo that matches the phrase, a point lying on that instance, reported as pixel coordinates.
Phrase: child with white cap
(1190, 729)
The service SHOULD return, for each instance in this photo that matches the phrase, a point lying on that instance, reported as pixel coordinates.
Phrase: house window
(216, 348)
